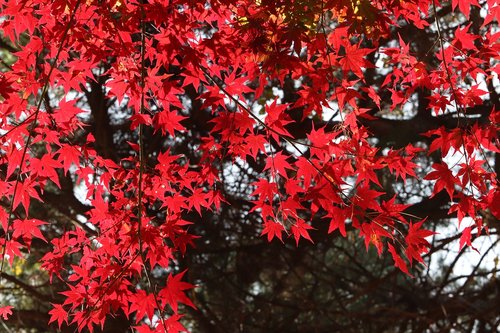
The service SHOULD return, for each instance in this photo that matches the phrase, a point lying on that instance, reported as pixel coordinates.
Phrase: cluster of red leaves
(229, 50)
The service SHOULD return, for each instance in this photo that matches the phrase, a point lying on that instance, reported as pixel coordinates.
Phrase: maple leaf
(299, 229)
(6, 311)
(15, 158)
(65, 99)
(254, 145)
(373, 234)
(354, 59)
(183, 239)
(27, 229)
(365, 198)
(58, 314)
(464, 5)
(238, 122)
(338, 216)
(417, 244)
(444, 179)
(373, 95)
(402, 166)
(173, 293)
(446, 140)
(398, 261)
(311, 101)
(394, 210)
(292, 186)
(168, 121)
(12, 250)
(236, 86)
(277, 119)
(464, 40)
(4, 218)
(140, 119)
(277, 163)
(25, 192)
(345, 94)
(366, 169)
(265, 190)
(198, 199)
(68, 156)
(144, 304)
(273, 229)
(173, 324)
(305, 171)
(84, 320)
(465, 238)
(175, 203)
(494, 203)
(46, 167)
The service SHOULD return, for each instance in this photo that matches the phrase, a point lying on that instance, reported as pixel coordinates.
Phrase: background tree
(147, 146)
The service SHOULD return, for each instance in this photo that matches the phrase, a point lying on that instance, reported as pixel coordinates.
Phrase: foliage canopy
(141, 140)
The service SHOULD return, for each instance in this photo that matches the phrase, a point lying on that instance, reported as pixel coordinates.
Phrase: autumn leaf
(168, 122)
(141, 119)
(143, 304)
(27, 229)
(58, 314)
(417, 244)
(398, 261)
(277, 163)
(6, 311)
(354, 59)
(300, 229)
(68, 156)
(173, 293)
(273, 229)
(464, 5)
(444, 179)
(465, 238)
(265, 190)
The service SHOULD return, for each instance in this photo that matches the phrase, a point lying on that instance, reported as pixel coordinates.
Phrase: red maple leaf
(168, 121)
(144, 304)
(265, 190)
(354, 59)
(6, 311)
(273, 229)
(27, 229)
(24, 193)
(398, 261)
(58, 314)
(464, 5)
(465, 238)
(464, 40)
(337, 217)
(69, 155)
(277, 163)
(300, 229)
(417, 244)
(174, 325)
(140, 119)
(444, 179)
(277, 119)
(144, 329)
(173, 293)
(254, 145)
(198, 199)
